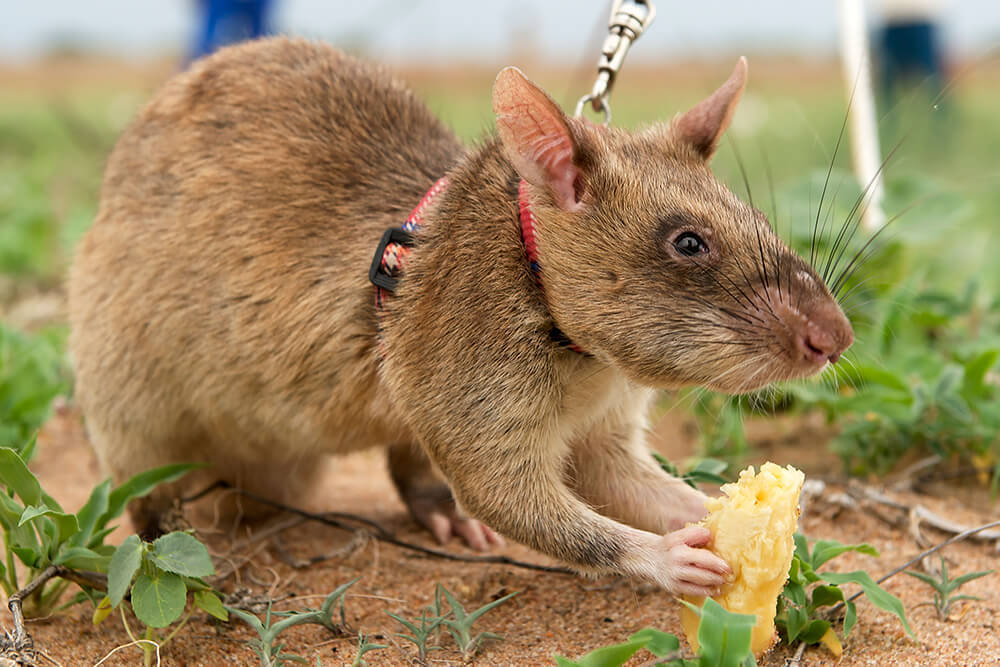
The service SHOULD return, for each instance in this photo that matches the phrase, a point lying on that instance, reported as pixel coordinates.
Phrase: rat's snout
(820, 344)
(818, 330)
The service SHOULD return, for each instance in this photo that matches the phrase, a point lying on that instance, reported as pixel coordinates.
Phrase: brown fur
(221, 310)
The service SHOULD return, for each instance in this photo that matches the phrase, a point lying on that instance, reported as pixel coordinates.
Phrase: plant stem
(148, 647)
(128, 630)
(11, 572)
(181, 625)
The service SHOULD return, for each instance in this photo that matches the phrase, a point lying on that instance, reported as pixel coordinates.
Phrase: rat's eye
(690, 244)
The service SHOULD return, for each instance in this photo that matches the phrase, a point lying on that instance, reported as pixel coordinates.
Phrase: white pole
(865, 149)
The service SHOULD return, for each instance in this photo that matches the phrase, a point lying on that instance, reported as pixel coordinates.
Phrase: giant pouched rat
(221, 307)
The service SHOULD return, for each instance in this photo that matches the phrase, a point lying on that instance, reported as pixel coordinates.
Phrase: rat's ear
(702, 126)
(536, 137)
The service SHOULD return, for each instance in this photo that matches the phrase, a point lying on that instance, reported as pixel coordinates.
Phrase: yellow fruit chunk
(752, 527)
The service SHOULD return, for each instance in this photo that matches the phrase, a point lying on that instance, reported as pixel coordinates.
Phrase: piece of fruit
(752, 527)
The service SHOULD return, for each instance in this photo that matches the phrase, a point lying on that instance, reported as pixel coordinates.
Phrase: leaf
(965, 578)
(795, 622)
(141, 485)
(948, 381)
(724, 637)
(832, 642)
(825, 550)
(814, 631)
(877, 595)
(66, 524)
(14, 474)
(606, 656)
(159, 600)
(249, 619)
(976, 369)
(824, 596)
(209, 602)
(124, 564)
(81, 558)
(850, 617)
(88, 515)
(658, 643)
(102, 611)
(182, 554)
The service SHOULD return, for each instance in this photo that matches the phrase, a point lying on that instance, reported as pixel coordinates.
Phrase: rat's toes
(440, 516)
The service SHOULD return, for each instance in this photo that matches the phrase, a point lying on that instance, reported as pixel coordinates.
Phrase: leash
(396, 244)
(629, 19)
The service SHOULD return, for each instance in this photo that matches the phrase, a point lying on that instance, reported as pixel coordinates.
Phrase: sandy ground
(553, 614)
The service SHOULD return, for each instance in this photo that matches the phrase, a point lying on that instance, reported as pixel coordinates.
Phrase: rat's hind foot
(430, 501)
(435, 509)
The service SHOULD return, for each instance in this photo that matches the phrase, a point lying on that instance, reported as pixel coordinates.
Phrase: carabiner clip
(628, 20)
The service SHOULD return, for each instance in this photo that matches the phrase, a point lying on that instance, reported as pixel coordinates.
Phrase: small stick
(337, 520)
(797, 658)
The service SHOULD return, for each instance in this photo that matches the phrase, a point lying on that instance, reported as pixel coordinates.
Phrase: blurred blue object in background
(223, 22)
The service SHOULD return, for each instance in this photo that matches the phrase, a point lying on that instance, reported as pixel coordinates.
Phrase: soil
(552, 613)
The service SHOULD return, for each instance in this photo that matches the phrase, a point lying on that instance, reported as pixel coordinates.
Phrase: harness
(397, 243)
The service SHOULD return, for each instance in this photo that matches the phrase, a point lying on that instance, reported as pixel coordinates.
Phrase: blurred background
(922, 376)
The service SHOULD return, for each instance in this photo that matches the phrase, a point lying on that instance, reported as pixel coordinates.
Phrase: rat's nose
(817, 345)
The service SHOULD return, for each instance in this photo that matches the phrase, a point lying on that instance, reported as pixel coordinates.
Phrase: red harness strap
(396, 244)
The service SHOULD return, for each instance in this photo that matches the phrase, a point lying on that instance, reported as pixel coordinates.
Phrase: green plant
(705, 471)
(723, 638)
(420, 634)
(32, 373)
(272, 654)
(944, 587)
(159, 576)
(808, 590)
(364, 647)
(460, 626)
(38, 533)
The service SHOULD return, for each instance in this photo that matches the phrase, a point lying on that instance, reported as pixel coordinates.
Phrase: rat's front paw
(436, 511)
(688, 569)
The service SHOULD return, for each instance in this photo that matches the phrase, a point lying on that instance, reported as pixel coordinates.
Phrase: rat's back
(221, 295)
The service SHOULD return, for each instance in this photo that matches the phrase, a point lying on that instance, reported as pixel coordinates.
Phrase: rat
(221, 309)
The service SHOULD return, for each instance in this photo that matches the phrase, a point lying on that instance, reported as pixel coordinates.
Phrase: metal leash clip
(629, 18)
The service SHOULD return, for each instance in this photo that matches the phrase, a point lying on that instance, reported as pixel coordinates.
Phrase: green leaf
(81, 558)
(825, 550)
(182, 554)
(948, 381)
(965, 578)
(795, 621)
(658, 643)
(606, 656)
(814, 631)
(124, 564)
(210, 602)
(824, 596)
(976, 369)
(141, 485)
(724, 637)
(924, 577)
(877, 595)
(88, 515)
(158, 600)
(850, 617)
(66, 524)
(14, 474)
(249, 619)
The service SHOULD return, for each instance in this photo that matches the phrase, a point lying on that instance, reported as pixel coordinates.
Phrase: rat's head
(651, 264)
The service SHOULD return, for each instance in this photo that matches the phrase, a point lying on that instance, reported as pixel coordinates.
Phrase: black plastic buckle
(379, 277)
